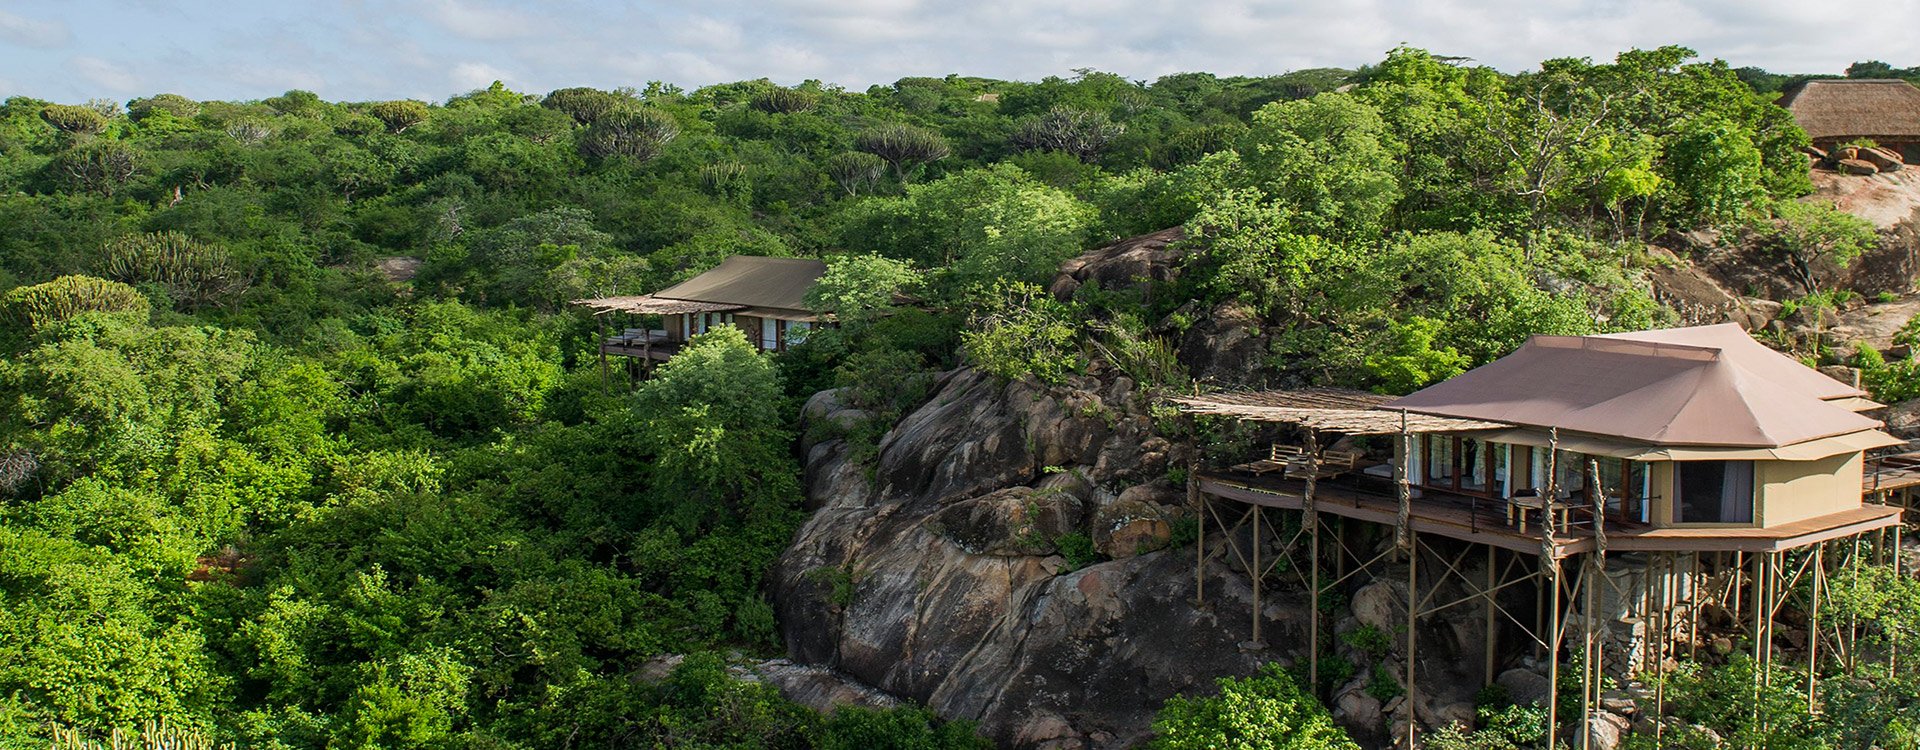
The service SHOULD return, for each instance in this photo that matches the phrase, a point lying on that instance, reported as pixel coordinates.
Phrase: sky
(74, 50)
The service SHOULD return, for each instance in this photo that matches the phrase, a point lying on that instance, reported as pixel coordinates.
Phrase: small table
(1520, 506)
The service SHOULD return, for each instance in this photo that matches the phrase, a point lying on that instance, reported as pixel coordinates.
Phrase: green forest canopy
(251, 485)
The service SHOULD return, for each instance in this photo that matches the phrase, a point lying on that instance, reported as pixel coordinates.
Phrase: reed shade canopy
(1326, 410)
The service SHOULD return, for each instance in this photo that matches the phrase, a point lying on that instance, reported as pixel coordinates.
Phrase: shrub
(399, 115)
(1078, 549)
(35, 307)
(74, 119)
(855, 171)
(1021, 331)
(637, 133)
(1267, 710)
(903, 146)
(584, 105)
(782, 101)
(193, 273)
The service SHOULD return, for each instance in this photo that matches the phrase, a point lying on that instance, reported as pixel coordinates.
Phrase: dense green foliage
(1268, 711)
(260, 481)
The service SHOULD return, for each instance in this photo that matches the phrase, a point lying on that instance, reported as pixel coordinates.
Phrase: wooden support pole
(1693, 607)
(1813, 626)
(606, 382)
(1413, 626)
(1493, 632)
(1199, 513)
(1258, 575)
(1553, 653)
(1312, 516)
(1588, 685)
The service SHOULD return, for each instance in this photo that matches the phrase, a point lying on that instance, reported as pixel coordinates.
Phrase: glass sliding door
(1713, 492)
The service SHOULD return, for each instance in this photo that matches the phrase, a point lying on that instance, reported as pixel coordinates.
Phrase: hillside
(302, 445)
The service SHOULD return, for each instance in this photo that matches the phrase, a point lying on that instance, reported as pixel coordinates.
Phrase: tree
(855, 171)
(400, 115)
(1267, 711)
(585, 105)
(1807, 235)
(41, 305)
(1079, 132)
(73, 119)
(785, 101)
(857, 289)
(1020, 331)
(171, 104)
(903, 146)
(194, 274)
(712, 419)
(979, 226)
(99, 167)
(1327, 160)
(637, 133)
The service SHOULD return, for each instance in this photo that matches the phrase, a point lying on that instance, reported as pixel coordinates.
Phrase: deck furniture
(1529, 501)
(1278, 458)
(1332, 464)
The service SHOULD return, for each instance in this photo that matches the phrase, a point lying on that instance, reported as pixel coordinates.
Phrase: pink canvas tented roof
(1705, 386)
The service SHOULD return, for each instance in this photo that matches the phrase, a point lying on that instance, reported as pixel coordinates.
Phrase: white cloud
(473, 20)
(114, 78)
(29, 32)
(468, 76)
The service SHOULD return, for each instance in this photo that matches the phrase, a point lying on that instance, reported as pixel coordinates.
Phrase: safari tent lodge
(763, 297)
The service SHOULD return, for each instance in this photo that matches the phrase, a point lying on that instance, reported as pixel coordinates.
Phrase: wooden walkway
(1484, 521)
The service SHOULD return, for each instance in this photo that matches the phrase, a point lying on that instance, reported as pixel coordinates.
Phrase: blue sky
(431, 49)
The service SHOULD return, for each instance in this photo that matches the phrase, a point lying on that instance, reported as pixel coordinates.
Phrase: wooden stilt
(1813, 626)
(1413, 626)
(1199, 514)
(1493, 632)
(606, 382)
(1259, 575)
(1588, 685)
(1553, 654)
(1312, 517)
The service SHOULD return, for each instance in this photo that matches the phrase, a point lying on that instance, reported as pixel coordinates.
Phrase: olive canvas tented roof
(744, 284)
(1703, 386)
(1856, 108)
(752, 281)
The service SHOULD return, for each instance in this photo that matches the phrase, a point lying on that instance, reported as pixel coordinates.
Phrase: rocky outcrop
(939, 581)
(944, 579)
(1142, 263)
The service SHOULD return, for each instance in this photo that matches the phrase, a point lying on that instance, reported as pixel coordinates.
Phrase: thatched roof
(1839, 109)
(1326, 410)
(647, 304)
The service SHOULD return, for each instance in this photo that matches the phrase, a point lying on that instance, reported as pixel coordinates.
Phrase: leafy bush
(1021, 331)
(1267, 710)
(194, 274)
(39, 306)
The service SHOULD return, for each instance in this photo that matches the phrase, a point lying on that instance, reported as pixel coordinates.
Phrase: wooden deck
(1483, 521)
(1889, 474)
(641, 344)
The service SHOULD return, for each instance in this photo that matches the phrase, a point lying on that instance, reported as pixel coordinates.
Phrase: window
(1438, 461)
(1713, 491)
(769, 334)
(797, 332)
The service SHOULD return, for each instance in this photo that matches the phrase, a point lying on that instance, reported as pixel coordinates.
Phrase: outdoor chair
(1277, 460)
